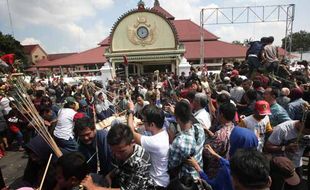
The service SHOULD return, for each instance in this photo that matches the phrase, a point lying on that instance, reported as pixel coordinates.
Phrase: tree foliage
(237, 42)
(9, 45)
(300, 40)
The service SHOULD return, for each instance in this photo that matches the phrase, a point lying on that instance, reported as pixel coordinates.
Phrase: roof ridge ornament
(156, 3)
(141, 5)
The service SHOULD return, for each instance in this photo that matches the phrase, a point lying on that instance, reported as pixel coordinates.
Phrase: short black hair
(82, 123)
(251, 168)
(184, 183)
(140, 95)
(12, 103)
(251, 94)
(270, 39)
(275, 92)
(307, 120)
(39, 93)
(257, 84)
(223, 98)
(228, 110)
(191, 95)
(46, 99)
(183, 111)
(45, 109)
(239, 81)
(151, 113)
(73, 164)
(119, 133)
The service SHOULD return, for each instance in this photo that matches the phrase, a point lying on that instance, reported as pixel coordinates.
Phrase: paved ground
(13, 165)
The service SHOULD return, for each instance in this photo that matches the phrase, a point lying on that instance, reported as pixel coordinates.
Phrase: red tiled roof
(29, 48)
(214, 49)
(91, 56)
(52, 57)
(281, 51)
(163, 12)
(190, 31)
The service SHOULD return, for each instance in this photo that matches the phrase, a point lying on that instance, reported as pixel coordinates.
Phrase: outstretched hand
(130, 105)
(211, 151)
(193, 162)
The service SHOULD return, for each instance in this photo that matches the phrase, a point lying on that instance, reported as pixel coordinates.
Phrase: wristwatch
(282, 148)
(130, 112)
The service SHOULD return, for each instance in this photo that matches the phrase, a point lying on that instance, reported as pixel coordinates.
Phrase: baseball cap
(70, 99)
(234, 73)
(262, 107)
(83, 103)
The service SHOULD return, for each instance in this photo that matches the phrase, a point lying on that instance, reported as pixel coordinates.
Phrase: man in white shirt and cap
(199, 103)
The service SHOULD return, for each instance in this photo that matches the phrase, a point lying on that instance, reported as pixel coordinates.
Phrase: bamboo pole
(45, 171)
(31, 114)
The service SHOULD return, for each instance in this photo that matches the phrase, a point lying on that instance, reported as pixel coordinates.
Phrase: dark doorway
(152, 68)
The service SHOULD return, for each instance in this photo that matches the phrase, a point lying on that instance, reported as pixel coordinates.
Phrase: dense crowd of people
(245, 128)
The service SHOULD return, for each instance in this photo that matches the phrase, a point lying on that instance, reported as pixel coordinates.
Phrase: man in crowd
(278, 113)
(140, 105)
(93, 145)
(237, 92)
(71, 169)
(250, 170)
(286, 140)
(199, 104)
(296, 105)
(157, 144)
(130, 161)
(189, 142)
(270, 56)
(259, 122)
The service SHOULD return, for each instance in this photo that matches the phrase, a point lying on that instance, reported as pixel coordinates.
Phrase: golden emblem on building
(142, 33)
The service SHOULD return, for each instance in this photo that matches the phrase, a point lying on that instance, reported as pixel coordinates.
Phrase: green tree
(237, 42)
(9, 45)
(300, 40)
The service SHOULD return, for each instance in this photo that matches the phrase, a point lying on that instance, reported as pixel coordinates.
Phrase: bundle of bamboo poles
(26, 107)
(89, 87)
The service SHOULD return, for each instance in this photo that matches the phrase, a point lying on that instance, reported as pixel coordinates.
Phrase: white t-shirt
(64, 127)
(260, 128)
(236, 93)
(158, 147)
(282, 135)
(5, 104)
(138, 108)
(204, 118)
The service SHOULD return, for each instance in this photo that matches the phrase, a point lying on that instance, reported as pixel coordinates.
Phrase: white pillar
(106, 73)
(184, 66)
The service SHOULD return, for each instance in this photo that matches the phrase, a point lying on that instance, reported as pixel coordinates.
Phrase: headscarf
(242, 138)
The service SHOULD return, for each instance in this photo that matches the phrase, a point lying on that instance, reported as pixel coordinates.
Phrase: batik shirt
(134, 172)
(187, 143)
(220, 144)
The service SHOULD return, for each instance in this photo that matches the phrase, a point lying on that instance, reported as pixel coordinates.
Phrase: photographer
(285, 141)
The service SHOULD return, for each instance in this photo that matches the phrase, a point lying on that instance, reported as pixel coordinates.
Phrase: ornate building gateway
(147, 40)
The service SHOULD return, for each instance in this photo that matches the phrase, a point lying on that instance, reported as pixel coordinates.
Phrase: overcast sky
(77, 25)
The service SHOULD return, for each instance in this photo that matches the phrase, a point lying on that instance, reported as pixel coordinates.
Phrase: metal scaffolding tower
(249, 14)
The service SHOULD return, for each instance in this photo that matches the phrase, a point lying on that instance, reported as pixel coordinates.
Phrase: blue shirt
(278, 115)
(295, 109)
(103, 150)
(222, 181)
